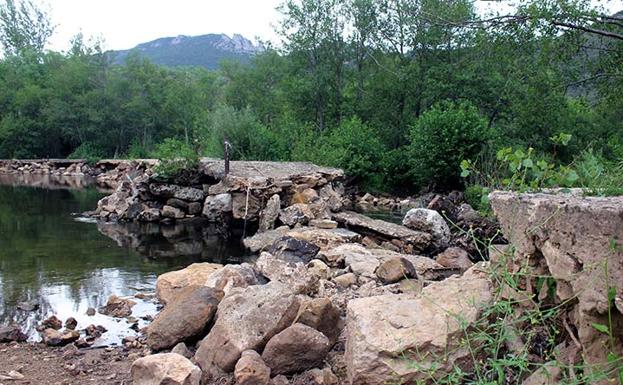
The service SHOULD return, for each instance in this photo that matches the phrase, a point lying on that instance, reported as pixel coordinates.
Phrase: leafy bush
(352, 146)
(443, 136)
(250, 139)
(88, 151)
(175, 156)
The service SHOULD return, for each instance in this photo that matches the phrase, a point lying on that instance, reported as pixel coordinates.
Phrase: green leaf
(465, 173)
(527, 163)
(601, 328)
(612, 293)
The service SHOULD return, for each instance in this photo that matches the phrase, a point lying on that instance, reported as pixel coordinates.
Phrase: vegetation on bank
(397, 92)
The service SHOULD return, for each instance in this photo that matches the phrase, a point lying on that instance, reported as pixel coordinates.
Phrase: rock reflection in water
(193, 239)
(67, 265)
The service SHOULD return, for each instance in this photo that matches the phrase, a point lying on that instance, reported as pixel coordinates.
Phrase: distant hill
(204, 51)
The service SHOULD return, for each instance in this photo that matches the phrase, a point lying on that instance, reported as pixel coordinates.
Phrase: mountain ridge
(200, 51)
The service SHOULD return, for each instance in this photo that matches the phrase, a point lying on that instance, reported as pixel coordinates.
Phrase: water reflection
(69, 265)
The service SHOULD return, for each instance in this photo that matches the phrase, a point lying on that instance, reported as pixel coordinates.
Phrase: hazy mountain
(205, 50)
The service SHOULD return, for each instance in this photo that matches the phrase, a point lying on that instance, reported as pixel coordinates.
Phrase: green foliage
(352, 146)
(87, 151)
(443, 136)
(175, 156)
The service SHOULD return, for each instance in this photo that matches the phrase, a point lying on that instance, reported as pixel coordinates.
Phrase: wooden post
(227, 146)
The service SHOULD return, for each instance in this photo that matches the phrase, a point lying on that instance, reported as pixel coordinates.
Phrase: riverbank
(351, 299)
(37, 364)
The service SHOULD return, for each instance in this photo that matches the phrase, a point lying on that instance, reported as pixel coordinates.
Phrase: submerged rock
(165, 369)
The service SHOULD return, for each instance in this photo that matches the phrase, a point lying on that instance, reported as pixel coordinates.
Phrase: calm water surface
(67, 264)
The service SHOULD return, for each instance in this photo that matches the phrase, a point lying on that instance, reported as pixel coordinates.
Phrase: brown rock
(71, 323)
(345, 280)
(246, 319)
(52, 323)
(548, 374)
(12, 333)
(186, 317)
(395, 269)
(322, 315)
(456, 258)
(573, 238)
(165, 369)
(251, 369)
(117, 307)
(296, 349)
(321, 376)
(182, 350)
(169, 284)
(52, 337)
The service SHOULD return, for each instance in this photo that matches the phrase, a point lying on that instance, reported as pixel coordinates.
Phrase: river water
(66, 264)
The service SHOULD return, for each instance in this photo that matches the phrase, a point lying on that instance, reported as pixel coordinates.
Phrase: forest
(404, 95)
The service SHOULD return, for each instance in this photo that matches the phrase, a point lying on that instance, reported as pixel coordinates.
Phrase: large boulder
(186, 317)
(168, 285)
(323, 238)
(429, 221)
(577, 240)
(297, 348)
(251, 369)
(216, 206)
(246, 319)
(386, 334)
(165, 369)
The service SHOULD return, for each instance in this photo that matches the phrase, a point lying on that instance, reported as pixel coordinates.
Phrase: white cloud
(125, 23)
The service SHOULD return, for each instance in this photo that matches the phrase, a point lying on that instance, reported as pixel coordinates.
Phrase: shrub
(250, 139)
(175, 156)
(88, 151)
(352, 146)
(441, 138)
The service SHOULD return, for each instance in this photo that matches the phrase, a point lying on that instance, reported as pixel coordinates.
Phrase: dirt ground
(42, 365)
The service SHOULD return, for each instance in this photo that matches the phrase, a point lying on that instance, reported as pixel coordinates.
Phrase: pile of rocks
(285, 193)
(319, 305)
(46, 167)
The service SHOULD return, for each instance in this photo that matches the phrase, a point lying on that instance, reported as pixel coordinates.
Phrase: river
(51, 256)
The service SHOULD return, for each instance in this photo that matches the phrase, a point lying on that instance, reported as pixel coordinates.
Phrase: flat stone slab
(388, 230)
(269, 170)
(323, 238)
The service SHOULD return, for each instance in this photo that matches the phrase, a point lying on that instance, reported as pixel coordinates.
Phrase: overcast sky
(125, 23)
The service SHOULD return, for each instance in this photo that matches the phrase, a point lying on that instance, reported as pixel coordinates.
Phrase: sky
(122, 24)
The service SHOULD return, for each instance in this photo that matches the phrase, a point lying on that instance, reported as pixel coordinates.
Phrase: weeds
(525, 330)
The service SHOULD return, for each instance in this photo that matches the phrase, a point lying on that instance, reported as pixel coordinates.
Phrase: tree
(24, 28)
